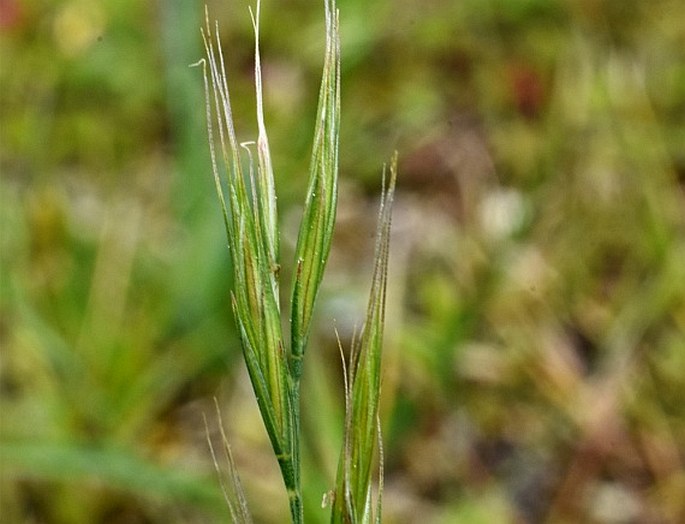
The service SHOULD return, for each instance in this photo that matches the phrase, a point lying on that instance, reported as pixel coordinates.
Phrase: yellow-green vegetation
(533, 350)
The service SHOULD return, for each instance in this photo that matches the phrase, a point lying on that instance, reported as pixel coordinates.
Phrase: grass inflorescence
(247, 195)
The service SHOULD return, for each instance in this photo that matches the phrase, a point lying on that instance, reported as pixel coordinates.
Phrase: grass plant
(537, 308)
(247, 195)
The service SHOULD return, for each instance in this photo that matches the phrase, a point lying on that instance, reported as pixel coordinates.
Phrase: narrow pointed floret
(361, 443)
(316, 228)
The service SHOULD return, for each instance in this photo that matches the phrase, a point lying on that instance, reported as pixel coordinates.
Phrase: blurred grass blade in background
(353, 494)
(115, 466)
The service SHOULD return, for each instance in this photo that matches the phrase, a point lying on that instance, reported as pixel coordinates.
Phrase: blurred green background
(535, 355)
